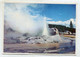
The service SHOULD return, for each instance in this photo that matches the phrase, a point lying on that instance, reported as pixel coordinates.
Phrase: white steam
(21, 20)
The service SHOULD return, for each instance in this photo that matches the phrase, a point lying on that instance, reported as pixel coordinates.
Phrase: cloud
(66, 23)
(48, 19)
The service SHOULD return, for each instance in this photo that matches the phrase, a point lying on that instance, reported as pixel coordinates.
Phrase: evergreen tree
(71, 25)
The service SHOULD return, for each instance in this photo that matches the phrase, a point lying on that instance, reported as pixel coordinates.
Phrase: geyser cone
(45, 29)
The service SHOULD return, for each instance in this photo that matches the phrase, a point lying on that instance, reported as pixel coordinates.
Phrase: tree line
(63, 28)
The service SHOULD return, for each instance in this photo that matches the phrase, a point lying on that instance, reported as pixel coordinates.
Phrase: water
(45, 29)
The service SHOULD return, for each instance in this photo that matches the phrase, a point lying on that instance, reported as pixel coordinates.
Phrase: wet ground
(66, 47)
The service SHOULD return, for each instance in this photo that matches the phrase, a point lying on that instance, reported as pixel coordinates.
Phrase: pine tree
(71, 25)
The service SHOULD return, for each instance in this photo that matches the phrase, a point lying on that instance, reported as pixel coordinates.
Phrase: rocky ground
(64, 47)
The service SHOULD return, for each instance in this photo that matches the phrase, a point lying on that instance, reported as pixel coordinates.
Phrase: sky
(60, 14)
(57, 12)
(25, 16)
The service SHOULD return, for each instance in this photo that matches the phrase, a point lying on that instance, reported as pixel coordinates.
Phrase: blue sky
(57, 12)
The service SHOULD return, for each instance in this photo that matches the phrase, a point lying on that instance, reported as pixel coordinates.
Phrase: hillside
(62, 28)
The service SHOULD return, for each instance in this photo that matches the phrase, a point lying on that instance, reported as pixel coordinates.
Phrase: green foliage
(72, 30)
(62, 28)
(71, 25)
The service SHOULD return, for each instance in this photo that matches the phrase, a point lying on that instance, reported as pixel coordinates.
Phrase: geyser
(45, 29)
